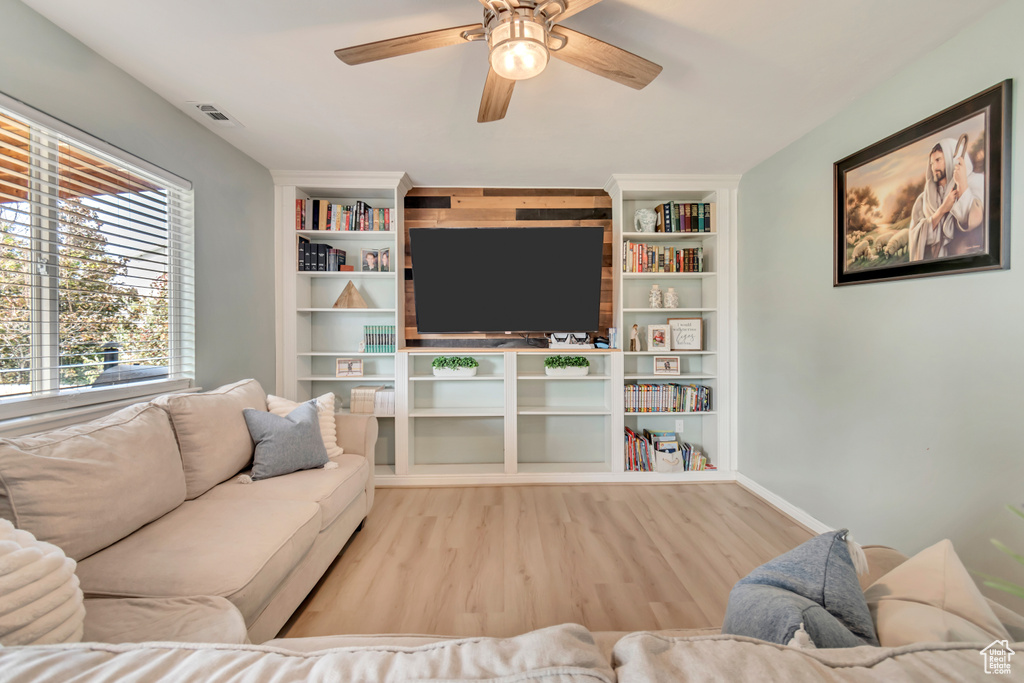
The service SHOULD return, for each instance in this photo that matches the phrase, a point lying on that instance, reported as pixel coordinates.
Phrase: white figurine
(645, 220)
(654, 298)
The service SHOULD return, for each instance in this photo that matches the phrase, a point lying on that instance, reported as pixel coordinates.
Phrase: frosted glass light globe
(518, 51)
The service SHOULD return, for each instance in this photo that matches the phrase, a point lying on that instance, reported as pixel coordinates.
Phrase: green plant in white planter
(455, 366)
(566, 366)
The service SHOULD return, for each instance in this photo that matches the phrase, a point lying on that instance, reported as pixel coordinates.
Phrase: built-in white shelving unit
(708, 295)
(511, 422)
(314, 334)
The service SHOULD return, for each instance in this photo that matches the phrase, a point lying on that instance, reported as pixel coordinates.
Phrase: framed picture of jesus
(932, 199)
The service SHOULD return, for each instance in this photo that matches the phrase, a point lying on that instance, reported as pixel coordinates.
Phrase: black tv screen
(507, 279)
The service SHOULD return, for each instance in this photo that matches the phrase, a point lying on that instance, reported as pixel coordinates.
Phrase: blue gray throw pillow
(285, 444)
(814, 584)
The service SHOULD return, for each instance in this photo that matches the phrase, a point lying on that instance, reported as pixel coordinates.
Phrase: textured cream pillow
(931, 598)
(40, 601)
(325, 411)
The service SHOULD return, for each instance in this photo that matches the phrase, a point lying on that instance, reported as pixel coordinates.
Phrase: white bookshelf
(511, 422)
(314, 334)
(708, 295)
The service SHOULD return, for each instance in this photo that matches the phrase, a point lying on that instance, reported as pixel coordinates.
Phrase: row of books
(654, 451)
(379, 338)
(363, 399)
(323, 214)
(667, 398)
(639, 453)
(373, 400)
(685, 217)
(654, 258)
(671, 455)
(321, 257)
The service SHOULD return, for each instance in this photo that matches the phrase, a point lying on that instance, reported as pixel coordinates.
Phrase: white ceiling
(741, 79)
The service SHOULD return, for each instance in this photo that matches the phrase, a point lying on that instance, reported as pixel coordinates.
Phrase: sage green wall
(895, 409)
(46, 68)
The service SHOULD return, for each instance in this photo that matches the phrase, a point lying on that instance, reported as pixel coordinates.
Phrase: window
(96, 272)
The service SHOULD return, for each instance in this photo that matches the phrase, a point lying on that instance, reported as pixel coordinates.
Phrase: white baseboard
(782, 504)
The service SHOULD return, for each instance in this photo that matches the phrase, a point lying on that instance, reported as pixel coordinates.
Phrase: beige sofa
(169, 544)
(188, 589)
(559, 654)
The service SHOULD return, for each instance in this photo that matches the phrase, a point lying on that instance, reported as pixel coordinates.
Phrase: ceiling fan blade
(393, 47)
(597, 56)
(575, 7)
(497, 95)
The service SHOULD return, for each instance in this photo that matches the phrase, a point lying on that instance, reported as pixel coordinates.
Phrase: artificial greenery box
(455, 366)
(566, 366)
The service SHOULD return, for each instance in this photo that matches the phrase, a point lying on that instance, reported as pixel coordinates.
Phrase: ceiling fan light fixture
(518, 47)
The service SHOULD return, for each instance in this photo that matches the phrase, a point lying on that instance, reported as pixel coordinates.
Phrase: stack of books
(364, 399)
(384, 402)
(379, 338)
(667, 398)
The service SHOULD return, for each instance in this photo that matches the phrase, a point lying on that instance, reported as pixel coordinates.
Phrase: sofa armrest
(358, 434)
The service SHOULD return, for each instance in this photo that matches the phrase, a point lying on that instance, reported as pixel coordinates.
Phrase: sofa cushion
(815, 585)
(559, 654)
(212, 437)
(647, 658)
(932, 598)
(285, 444)
(325, 411)
(237, 549)
(333, 490)
(200, 619)
(85, 487)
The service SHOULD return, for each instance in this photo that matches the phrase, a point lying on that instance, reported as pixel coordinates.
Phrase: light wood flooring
(503, 560)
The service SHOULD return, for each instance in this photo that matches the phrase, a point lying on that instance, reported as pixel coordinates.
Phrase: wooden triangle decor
(350, 298)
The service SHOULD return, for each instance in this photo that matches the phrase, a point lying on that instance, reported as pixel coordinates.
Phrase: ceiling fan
(522, 35)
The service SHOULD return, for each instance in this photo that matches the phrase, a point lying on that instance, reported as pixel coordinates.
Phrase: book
(662, 211)
(303, 246)
(384, 401)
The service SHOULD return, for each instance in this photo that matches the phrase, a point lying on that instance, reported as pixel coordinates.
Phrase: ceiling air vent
(216, 115)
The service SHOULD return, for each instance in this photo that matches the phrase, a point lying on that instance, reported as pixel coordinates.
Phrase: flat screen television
(507, 279)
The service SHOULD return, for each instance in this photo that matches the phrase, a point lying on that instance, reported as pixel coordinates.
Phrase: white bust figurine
(645, 220)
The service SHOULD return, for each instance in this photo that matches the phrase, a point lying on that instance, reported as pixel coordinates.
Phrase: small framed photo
(658, 337)
(666, 365)
(687, 333)
(384, 260)
(371, 260)
(349, 367)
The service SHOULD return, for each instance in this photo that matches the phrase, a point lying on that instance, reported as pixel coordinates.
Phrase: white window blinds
(96, 271)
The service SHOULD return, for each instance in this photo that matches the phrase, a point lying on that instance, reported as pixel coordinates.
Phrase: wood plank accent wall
(461, 207)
